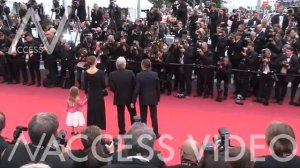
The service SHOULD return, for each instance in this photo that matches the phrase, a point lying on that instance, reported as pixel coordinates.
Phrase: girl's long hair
(74, 91)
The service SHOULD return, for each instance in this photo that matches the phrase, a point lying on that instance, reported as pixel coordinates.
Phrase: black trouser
(68, 65)
(185, 81)
(266, 83)
(11, 69)
(34, 69)
(79, 74)
(205, 82)
(52, 67)
(153, 114)
(221, 78)
(295, 85)
(20, 65)
(121, 116)
(4, 67)
(242, 84)
(281, 88)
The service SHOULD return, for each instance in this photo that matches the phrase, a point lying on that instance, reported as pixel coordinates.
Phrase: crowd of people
(258, 53)
(50, 152)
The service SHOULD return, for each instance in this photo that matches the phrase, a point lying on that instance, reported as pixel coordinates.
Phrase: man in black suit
(183, 56)
(122, 83)
(137, 155)
(148, 89)
(42, 131)
(287, 66)
(280, 19)
(254, 21)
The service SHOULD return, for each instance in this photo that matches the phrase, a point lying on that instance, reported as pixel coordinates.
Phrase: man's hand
(132, 105)
(1, 53)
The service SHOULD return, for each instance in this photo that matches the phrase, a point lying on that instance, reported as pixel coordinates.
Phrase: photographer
(96, 15)
(82, 51)
(223, 73)
(153, 16)
(103, 150)
(4, 13)
(81, 10)
(287, 66)
(266, 76)
(33, 59)
(42, 127)
(182, 12)
(123, 48)
(260, 38)
(4, 47)
(3, 143)
(184, 57)
(68, 62)
(205, 71)
(135, 56)
(213, 18)
(281, 19)
(254, 21)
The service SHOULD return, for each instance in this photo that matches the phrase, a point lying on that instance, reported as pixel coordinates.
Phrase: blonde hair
(74, 91)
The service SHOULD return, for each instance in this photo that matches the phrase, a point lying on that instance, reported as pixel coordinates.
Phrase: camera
(18, 131)
(145, 10)
(61, 137)
(223, 141)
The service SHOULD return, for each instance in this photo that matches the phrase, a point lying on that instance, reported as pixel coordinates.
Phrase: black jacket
(122, 84)
(251, 22)
(270, 162)
(285, 23)
(147, 88)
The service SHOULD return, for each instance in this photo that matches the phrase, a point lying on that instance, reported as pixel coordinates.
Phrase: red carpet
(177, 117)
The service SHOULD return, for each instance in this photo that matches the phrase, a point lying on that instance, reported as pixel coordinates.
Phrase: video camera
(18, 131)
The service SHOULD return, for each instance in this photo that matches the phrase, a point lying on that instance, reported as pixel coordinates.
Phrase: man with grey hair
(122, 83)
(3, 143)
(42, 132)
(141, 139)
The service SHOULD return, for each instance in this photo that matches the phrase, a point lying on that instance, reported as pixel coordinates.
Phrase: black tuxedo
(3, 144)
(22, 157)
(285, 78)
(205, 74)
(34, 63)
(185, 72)
(254, 22)
(275, 20)
(122, 84)
(148, 89)
(273, 163)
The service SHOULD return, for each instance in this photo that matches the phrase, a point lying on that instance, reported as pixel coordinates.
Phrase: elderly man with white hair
(122, 82)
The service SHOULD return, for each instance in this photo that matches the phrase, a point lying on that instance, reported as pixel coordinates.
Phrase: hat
(189, 150)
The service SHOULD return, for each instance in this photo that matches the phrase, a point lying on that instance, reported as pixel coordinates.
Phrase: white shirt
(280, 20)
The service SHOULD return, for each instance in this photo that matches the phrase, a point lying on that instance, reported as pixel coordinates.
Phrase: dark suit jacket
(122, 84)
(270, 162)
(135, 163)
(155, 160)
(147, 88)
(285, 23)
(251, 22)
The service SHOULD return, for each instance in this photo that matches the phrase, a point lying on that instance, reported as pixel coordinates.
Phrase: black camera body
(223, 142)
(61, 137)
(18, 131)
(145, 10)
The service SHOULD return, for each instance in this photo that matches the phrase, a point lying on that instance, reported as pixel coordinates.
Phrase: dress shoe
(4, 81)
(265, 102)
(157, 136)
(25, 83)
(38, 85)
(31, 83)
(225, 98)
(14, 82)
(168, 93)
